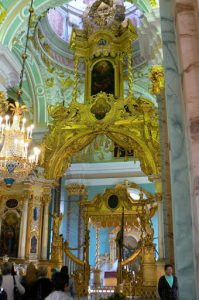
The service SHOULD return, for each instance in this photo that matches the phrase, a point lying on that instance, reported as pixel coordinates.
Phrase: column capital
(75, 189)
(46, 195)
(46, 198)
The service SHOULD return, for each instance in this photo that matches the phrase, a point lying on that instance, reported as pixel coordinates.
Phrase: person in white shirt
(60, 282)
(8, 281)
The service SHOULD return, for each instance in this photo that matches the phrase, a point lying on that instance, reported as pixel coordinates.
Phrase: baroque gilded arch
(132, 124)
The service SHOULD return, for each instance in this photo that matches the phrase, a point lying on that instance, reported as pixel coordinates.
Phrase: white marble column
(187, 24)
(185, 255)
(23, 230)
(45, 231)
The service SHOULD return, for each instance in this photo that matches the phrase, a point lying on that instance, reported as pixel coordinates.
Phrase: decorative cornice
(75, 189)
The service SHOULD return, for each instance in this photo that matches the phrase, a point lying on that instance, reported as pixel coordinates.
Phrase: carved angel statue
(57, 219)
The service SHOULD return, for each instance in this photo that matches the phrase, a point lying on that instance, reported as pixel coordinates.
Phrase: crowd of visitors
(35, 285)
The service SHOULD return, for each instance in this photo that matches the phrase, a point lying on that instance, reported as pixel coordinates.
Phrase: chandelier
(16, 162)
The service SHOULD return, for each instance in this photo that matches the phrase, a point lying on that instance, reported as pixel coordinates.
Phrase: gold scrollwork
(157, 79)
(131, 126)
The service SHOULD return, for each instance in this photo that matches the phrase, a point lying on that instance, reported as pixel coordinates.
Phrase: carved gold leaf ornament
(3, 13)
(66, 83)
(129, 122)
(156, 76)
(3, 103)
(154, 3)
(17, 109)
(74, 127)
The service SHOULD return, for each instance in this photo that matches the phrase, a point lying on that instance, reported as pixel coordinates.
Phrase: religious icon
(33, 245)
(103, 78)
(10, 235)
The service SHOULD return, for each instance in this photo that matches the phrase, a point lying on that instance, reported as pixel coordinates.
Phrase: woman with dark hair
(71, 285)
(60, 288)
(10, 281)
(168, 285)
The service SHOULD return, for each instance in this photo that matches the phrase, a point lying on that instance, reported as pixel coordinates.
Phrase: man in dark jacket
(168, 285)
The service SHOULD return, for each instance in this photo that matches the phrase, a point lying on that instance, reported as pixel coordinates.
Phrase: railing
(79, 270)
(130, 260)
(101, 293)
(74, 264)
(146, 293)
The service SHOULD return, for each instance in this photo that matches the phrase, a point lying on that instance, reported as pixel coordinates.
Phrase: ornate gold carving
(131, 124)
(132, 258)
(100, 213)
(72, 257)
(105, 37)
(57, 242)
(76, 189)
(130, 72)
(3, 102)
(75, 82)
(154, 3)
(137, 213)
(157, 79)
(104, 15)
(57, 219)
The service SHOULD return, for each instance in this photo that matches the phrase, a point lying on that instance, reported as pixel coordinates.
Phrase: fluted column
(23, 229)
(46, 199)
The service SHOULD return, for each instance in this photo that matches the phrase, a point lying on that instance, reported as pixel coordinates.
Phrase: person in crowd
(43, 286)
(13, 272)
(53, 272)
(3, 294)
(71, 286)
(168, 285)
(9, 281)
(29, 280)
(60, 282)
